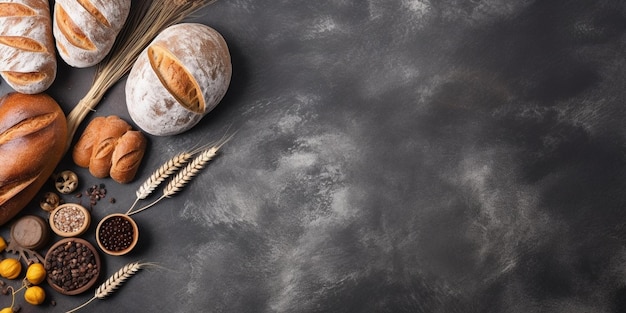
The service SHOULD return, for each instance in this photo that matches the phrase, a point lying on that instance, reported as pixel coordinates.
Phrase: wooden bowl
(56, 263)
(30, 232)
(125, 237)
(70, 220)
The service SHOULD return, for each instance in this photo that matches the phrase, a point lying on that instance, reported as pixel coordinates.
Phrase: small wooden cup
(55, 216)
(100, 234)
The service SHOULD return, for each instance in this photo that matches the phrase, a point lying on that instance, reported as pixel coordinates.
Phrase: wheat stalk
(114, 282)
(189, 172)
(185, 175)
(166, 170)
(169, 168)
(150, 19)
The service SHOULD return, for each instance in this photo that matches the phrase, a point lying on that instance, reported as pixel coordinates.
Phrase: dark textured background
(391, 156)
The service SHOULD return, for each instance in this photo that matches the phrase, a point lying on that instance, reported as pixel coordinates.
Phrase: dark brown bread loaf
(33, 135)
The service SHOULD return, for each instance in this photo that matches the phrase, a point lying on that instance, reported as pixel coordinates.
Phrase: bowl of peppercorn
(117, 234)
(72, 266)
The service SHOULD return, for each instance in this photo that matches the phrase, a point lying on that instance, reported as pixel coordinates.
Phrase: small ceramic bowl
(70, 220)
(117, 234)
(72, 266)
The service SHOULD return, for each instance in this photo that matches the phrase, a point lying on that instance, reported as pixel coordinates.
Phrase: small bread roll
(179, 78)
(27, 55)
(84, 146)
(85, 30)
(100, 162)
(127, 156)
(109, 147)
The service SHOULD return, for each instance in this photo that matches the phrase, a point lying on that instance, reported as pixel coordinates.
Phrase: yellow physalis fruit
(6, 310)
(34, 295)
(35, 274)
(10, 268)
(3, 245)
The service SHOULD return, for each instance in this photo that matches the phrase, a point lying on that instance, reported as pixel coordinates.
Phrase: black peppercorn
(116, 233)
(71, 266)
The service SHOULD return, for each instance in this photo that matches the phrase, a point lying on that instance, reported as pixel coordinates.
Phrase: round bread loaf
(179, 78)
(33, 136)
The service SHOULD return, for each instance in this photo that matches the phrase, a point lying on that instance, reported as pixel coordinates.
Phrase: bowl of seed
(70, 220)
(72, 266)
(117, 234)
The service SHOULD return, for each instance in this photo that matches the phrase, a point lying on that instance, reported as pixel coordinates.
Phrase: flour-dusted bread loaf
(85, 30)
(33, 135)
(27, 56)
(179, 78)
(109, 147)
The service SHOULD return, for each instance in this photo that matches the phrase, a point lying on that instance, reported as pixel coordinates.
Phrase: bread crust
(27, 55)
(85, 30)
(33, 134)
(84, 146)
(161, 98)
(109, 147)
(100, 161)
(127, 156)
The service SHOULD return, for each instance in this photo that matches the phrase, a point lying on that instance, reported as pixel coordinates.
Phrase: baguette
(33, 134)
(85, 30)
(27, 55)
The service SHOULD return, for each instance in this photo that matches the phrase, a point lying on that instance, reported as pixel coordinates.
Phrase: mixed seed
(69, 219)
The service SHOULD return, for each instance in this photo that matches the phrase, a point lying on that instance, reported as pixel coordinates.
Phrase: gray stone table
(391, 156)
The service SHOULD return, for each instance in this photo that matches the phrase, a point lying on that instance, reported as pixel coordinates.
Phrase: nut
(50, 201)
(66, 182)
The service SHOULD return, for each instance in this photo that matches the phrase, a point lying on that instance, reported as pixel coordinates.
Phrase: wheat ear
(166, 170)
(169, 168)
(114, 282)
(184, 176)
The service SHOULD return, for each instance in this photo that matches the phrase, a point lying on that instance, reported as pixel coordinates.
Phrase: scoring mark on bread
(9, 190)
(100, 162)
(27, 126)
(89, 7)
(128, 161)
(176, 79)
(22, 43)
(15, 9)
(71, 31)
(104, 149)
(24, 78)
